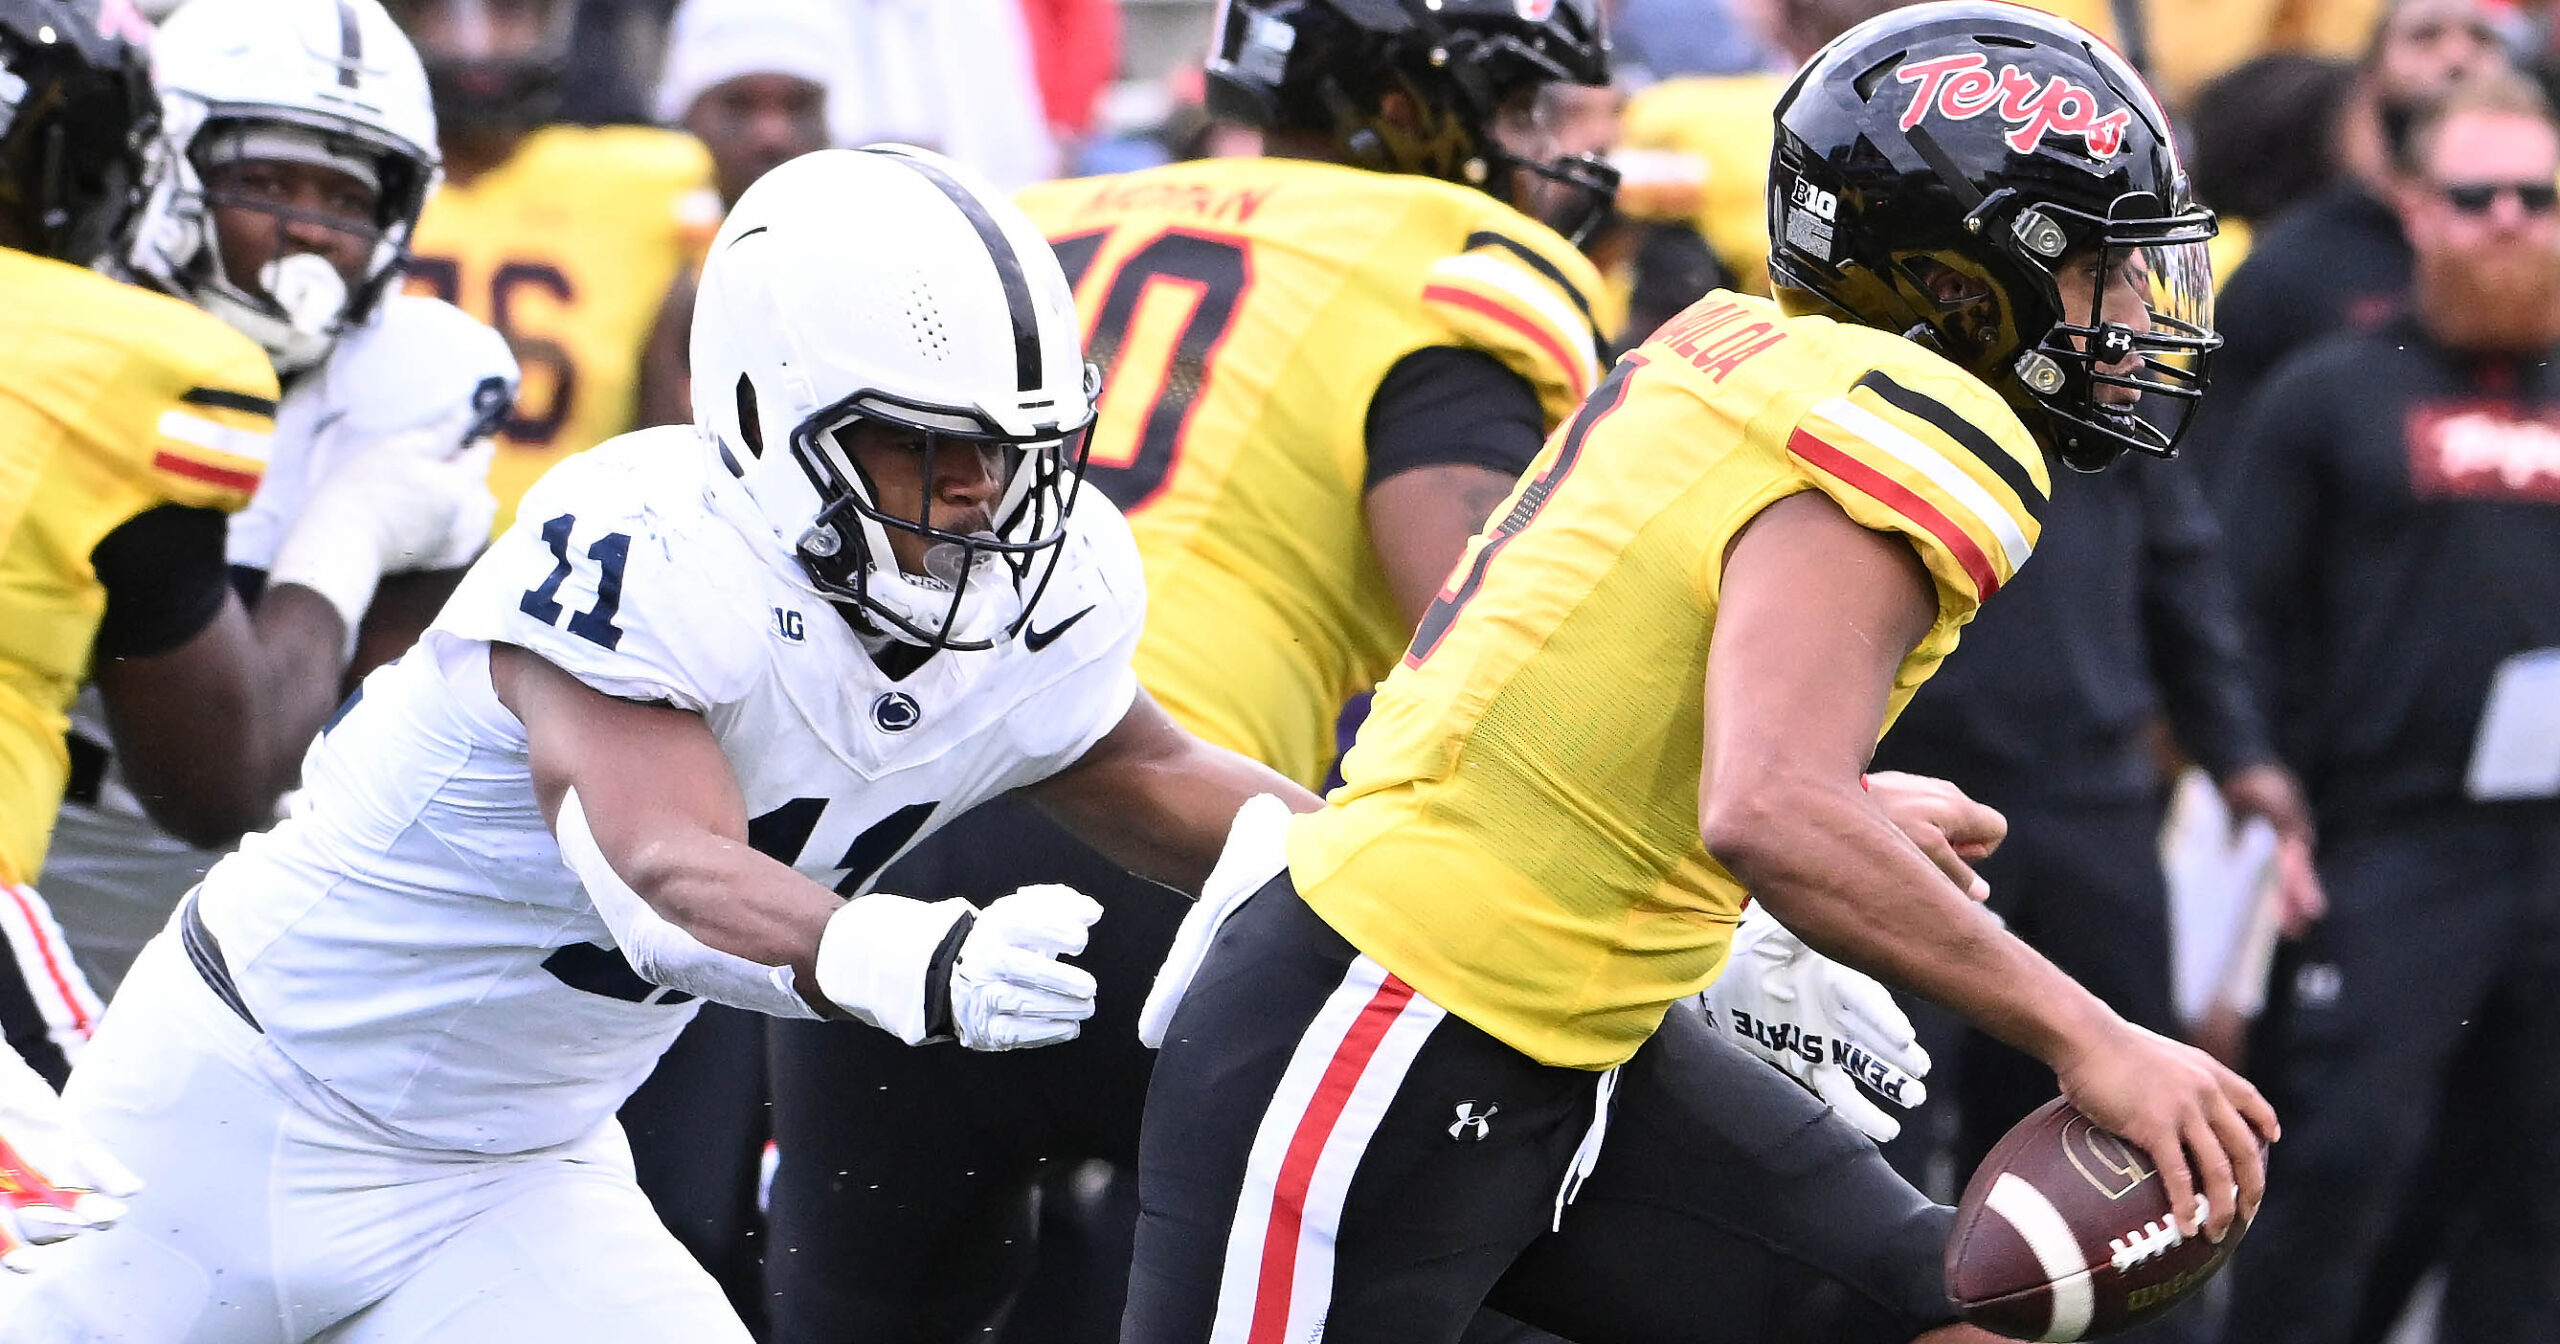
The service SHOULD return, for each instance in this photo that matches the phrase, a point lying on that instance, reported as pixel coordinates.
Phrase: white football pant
(272, 1213)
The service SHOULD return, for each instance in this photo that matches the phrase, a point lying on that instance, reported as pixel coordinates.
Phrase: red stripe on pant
(53, 960)
(1306, 1144)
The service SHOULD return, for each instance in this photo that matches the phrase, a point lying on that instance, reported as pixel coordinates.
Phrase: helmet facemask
(2162, 361)
(978, 587)
(298, 303)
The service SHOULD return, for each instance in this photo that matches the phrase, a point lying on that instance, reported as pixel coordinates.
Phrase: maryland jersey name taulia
(1245, 311)
(118, 401)
(1517, 837)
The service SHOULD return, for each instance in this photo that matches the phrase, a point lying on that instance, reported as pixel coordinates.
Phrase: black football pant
(1328, 1150)
(908, 1206)
(2419, 1021)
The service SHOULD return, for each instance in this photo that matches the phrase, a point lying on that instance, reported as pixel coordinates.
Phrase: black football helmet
(76, 113)
(1934, 168)
(1325, 65)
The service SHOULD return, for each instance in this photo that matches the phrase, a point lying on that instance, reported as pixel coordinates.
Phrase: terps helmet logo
(2107, 1162)
(1962, 87)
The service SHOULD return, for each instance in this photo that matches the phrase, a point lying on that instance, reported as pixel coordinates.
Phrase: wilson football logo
(1962, 87)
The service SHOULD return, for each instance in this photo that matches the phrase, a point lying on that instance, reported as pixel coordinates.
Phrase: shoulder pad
(618, 571)
(418, 362)
(1524, 295)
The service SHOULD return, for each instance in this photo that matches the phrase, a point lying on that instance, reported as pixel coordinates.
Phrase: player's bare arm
(212, 731)
(1815, 618)
(1419, 521)
(1157, 800)
(665, 810)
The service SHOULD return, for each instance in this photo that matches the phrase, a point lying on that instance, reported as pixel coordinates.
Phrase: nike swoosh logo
(1036, 640)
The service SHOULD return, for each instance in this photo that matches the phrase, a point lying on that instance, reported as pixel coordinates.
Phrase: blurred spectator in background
(2260, 141)
(2400, 490)
(613, 50)
(751, 80)
(2338, 261)
(564, 238)
(1670, 39)
(2182, 44)
(2127, 614)
(1721, 125)
(964, 77)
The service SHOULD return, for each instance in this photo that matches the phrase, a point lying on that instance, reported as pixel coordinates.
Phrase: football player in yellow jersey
(1322, 370)
(564, 238)
(1436, 1061)
(130, 425)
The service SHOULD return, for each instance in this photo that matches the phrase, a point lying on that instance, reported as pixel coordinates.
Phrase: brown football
(2064, 1233)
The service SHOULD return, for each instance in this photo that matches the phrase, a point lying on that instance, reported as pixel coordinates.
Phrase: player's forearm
(1833, 869)
(301, 643)
(731, 898)
(1166, 819)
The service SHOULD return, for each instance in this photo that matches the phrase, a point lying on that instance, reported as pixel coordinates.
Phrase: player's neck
(1302, 145)
(470, 154)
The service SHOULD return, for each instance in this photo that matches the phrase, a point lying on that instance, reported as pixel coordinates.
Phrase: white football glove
(415, 500)
(1826, 1026)
(55, 1182)
(1256, 852)
(909, 968)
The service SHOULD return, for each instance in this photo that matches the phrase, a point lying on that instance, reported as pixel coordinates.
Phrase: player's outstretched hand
(1951, 828)
(54, 1181)
(1826, 1026)
(2204, 1127)
(1008, 989)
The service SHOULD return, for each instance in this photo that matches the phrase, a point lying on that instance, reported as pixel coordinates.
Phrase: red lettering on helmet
(1962, 87)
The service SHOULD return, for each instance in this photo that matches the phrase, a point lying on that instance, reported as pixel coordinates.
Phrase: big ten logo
(528, 302)
(2105, 1161)
(1814, 200)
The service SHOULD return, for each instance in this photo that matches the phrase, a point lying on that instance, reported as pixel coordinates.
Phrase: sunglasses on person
(2477, 198)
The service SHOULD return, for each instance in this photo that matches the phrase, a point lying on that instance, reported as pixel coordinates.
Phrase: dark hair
(2497, 92)
(2260, 134)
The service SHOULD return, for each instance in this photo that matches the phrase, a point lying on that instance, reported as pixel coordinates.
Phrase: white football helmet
(893, 285)
(330, 81)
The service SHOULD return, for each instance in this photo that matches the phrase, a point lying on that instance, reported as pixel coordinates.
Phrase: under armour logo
(1472, 1123)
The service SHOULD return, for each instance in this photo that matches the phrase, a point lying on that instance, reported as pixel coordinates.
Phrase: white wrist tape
(875, 957)
(662, 953)
(334, 555)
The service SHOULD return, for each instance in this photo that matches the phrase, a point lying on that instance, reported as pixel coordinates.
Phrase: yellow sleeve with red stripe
(1529, 307)
(209, 444)
(1944, 464)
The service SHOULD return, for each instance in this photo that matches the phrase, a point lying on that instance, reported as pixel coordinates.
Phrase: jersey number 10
(1147, 406)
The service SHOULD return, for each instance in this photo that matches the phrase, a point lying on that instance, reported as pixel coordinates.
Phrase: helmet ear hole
(749, 428)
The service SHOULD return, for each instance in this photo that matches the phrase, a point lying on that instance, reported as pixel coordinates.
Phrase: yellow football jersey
(113, 401)
(1518, 834)
(567, 248)
(1244, 312)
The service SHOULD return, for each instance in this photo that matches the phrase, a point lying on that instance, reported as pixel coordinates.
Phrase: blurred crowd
(2340, 607)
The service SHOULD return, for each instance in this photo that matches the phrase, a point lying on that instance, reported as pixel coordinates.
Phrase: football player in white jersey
(712, 681)
(297, 147)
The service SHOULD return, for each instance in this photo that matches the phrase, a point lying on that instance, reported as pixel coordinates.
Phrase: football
(2064, 1233)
